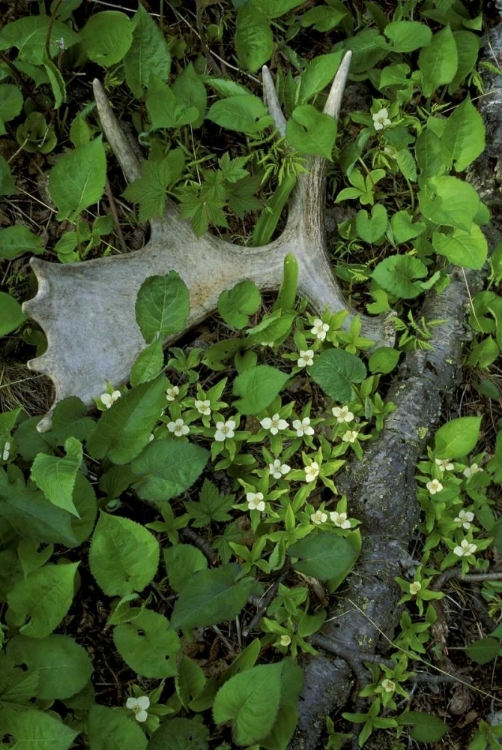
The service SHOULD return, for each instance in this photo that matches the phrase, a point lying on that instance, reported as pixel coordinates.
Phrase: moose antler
(87, 310)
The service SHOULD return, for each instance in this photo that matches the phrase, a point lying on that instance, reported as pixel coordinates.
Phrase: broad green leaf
(84, 499)
(336, 370)
(323, 18)
(244, 113)
(396, 275)
(368, 48)
(38, 604)
(37, 730)
(287, 716)
(383, 360)
(253, 39)
(148, 645)
(237, 304)
(457, 438)
(406, 164)
(77, 181)
(189, 681)
(180, 734)
(250, 700)
(325, 556)
(272, 327)
(469, 249)
(125, 429)
(484, 650)
(167, 110)
(11, 314)
(468, 45)
(17, 688)
(210, 597)
(148, 364)
(29, 35)
(124, 556)
(150, 190)
(69, 420)
(425, 727)
(62, 665)
(182, 561)
(166, 468)
(449, 201)
(11, 103)
(107, 37)
(190, 90)
(403, 227)
(258, 387)
(148, 53)
(162, 306)
(464, 135)
(56, 476)
(438, 61)
(407, 36)
(113, 730)
(318, 74)
(16, 240)
(277, 8)
(372, 229)
(311, 132)
(429, 154)
(7, 185)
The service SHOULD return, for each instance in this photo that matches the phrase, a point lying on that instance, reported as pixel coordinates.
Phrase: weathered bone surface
(87, 310)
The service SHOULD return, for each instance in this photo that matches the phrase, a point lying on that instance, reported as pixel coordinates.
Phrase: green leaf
(180, 734)
(38, 604)
(383, 360)
(425, 727)
(84, 499)
(11, 104)
(62, 666)
(244, 113)
(148, 645)
(210, 597)
(403, 228)
(250, 700)
(396, 275)
(258, 387)
(110, 730)
(468, 45)
(150, 190)
(237, 304)
(407, 36)
(69, 420)
(148, 364)
(56, 81)
(463, 139)
(167, 110)
(311, 132)
(166, 468)
(124, 556)
(37, 730)
(211, 506)
(125, 429)
(372, 229)
(318, 74)
(29, 35)
(449, 201)
(182, 561)
(148, 53)
(323, 18)
(16, 240)
(56, 476)
(253, 39)
(277, 8)
(469, 249)
(438, 62)
(7, 185)
(107, 37)
(483, 650)
(429, 154)
(457, 438)
(190, 90)
(77, 181)
(11, 314)
(189, 681)
(336, 370)
(162, 306)
(325, 556)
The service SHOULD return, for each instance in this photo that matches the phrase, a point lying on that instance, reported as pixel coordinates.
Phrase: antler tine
(116, 138)
(334, 101)
(272, 101)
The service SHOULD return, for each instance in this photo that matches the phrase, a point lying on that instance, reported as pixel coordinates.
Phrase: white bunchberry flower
(274, 424)
(312, 472)
(203, 407)
(434, 486)
(172, 393)
(278, 470)
(303, 427)
(6, 451)
(224, 430)
(306, 358)
(319, 329)
(444, 464)
(107, 399)
(415, 587)
(138, 706)
(388, 686)
(255, 501)
(381, 119)
(465, 517)
(285, 640)
(268, 343)
(179, 428)
(350, 436)
(470, 470)
(339, 519)
(319, 517)
(342, 414)
(466, 548)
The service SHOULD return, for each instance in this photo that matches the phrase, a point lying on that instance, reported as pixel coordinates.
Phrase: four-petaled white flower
(255, 501)
(138, 706)
(179, 428)
(381, 119)
(285, 640)
(388, 686)
(203, 407)
(470, 470)
(312, 472)
(274, 424)
(350, 436)
(465, 517)
(278, 470)
(303, 427)
(434, 486)
(444, 464)
(319, 517)
(342, 414)
(319, 329)
(415, 587)
(107, 399)
(224, 430)
(172, 393)
(340, 519)
(466, 548)
(306, 358)
(6, 451)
